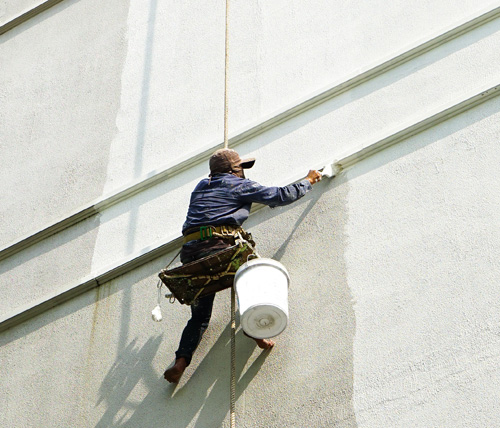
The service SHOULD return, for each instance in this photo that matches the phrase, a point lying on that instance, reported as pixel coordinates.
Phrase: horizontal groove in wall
(153, 252)
(435, 117)
(251, 131)
(71, 291)
(27, 15)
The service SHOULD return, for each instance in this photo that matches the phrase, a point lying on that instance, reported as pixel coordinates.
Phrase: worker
(223, 199)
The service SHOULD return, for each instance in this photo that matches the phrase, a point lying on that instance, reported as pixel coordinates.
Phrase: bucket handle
(254, 253)
(252, 256)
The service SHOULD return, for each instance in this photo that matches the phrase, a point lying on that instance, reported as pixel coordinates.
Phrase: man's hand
(313, 176)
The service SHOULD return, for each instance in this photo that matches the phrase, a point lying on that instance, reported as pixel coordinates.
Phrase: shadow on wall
(133, 366)
(204, 395)
(312, 364)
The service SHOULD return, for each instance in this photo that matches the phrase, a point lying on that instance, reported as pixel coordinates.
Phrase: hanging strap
(233, 296)
(226, 78)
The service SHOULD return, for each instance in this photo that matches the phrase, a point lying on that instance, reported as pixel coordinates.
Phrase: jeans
(201, 309)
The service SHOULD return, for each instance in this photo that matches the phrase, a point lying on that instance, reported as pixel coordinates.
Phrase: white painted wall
(10, 10)
(393, 309)
(60, 97)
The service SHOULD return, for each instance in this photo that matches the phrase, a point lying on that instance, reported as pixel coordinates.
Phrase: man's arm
(250, 191)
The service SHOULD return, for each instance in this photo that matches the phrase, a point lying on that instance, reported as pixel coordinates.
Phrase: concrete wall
(393, 310)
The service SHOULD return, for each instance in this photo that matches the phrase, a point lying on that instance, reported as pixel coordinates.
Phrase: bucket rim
(259, 262)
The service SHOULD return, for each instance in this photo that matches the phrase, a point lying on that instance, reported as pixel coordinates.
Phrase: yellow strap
(206, 232)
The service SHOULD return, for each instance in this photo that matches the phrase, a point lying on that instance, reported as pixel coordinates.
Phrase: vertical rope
(233, 358)
(233, 294)
(226, 67)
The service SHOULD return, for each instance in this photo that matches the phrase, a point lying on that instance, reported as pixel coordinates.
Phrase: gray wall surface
(58, 79)
(394, 315)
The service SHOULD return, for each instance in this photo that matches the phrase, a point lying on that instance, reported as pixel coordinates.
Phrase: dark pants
(201, 309)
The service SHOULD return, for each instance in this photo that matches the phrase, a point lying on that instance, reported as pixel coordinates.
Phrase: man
(223, 199)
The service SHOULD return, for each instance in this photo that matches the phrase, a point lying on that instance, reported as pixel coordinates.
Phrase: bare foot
(174, 373)
(265, 343)
(262, 343)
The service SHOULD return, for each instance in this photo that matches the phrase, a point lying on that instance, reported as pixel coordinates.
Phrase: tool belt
(212, 273)
(207, 232)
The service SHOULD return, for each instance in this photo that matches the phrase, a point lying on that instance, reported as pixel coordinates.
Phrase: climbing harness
(209, 274)
(206, 232)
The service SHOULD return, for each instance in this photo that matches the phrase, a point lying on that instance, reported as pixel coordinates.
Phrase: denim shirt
(226, 199)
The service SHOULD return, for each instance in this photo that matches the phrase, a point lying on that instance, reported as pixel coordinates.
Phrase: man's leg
(201, 311)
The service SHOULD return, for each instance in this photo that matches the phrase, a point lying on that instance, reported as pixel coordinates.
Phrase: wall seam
(26, 16)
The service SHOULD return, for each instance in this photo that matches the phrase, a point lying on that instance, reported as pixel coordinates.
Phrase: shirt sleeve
(251, 191)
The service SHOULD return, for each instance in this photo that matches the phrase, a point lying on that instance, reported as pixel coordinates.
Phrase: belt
(207, 232)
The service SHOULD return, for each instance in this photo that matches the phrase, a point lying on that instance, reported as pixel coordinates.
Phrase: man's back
(225, 199)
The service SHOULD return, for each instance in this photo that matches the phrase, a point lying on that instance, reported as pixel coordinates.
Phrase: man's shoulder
(201, 184)
(219, 180)
(228, 180)
(238, 183)
(225, 181)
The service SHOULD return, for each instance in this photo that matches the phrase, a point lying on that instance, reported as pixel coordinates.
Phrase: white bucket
(262, 289)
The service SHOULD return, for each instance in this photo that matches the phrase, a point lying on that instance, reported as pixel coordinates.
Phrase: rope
(233, 357)
(171, 261)
(159, 285)
(233, 295)
(226, 67)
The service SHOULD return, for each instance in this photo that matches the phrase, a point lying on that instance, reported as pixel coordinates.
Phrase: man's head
(228, 161)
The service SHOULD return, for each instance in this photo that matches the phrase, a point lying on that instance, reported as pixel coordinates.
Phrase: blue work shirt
(226, 199)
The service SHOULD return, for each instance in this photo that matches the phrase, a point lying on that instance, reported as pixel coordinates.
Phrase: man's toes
(265, 343)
